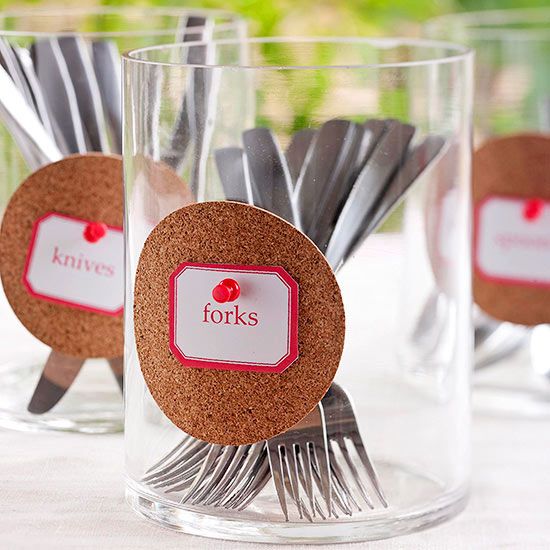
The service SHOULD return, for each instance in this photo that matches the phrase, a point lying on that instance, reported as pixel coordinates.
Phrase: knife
(233, 170)
(297, 151)
(271, 183)
(327, 178)
(352, 223)
(53, 76)
(88, 97)
(106, 62)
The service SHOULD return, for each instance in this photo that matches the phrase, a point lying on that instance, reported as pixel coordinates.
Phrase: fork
(299, 458)
(288, 454)
(343, 436)
(213, 475)
(231, 477)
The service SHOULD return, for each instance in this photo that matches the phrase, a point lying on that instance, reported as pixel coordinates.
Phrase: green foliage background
(318, 17)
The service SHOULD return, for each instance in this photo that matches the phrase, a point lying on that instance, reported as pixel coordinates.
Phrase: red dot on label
(95, 231)
(532, 209)
(221, 294)
(226, 291)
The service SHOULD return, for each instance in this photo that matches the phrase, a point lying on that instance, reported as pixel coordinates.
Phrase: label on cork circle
(513, 241)
(76, 262)
(62, 255)
(511, 249)
(239, 333)
(234, 317)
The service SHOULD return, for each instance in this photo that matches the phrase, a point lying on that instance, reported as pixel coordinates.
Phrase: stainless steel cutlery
(269, 174)
(319, 467)
(337, 184)
(63, 96)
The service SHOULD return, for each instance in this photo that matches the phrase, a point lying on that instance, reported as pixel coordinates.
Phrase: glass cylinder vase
(313, 160)
(511, 107)
(62, 96)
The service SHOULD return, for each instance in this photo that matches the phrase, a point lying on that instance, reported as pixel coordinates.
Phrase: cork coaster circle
(236, 407)
(511, 246)
(80, 187)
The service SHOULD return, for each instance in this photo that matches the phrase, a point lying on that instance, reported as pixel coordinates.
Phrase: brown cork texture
(85, 186)
(236, 407)
(516, 166)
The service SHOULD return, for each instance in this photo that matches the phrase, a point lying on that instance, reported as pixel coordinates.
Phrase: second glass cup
(511, 113)
(61, 96)
(312, 157)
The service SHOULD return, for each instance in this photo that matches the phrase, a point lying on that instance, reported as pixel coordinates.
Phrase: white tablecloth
(66, 491)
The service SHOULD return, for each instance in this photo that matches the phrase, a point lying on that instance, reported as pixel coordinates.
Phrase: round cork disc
(231, 407)
(515, 166)
(84, 186)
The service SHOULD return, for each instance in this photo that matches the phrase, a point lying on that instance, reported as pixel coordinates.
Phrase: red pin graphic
(95, 231)
(532, 209)
(226, 291)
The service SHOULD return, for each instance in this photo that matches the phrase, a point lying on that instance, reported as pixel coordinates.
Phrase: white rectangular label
(66, 267)
(512, 241)
(254, 330)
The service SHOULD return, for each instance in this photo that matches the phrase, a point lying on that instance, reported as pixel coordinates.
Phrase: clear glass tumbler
(93, 38)
(512, 98)
(347, 139)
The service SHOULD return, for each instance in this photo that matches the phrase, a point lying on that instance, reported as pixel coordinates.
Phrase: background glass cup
(512, 96)
(93, 403)
(411, 403)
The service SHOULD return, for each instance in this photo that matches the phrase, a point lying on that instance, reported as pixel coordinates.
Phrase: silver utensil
(56, 378)
(213, 475)
(321, 464)
(357, 212)
(495, 340)
(81, 72)
(377, 128)
(327, 177)
(297, 150)
(106, 62)
(233, 170)
(58, 90)
(297, 460)
(294, 456)
(231, 477)
(345, 438)
(9, 62)
(35, 143)
(269, 174)
(38, 148)
(194, 29)
(240, 474)
(24, 60)
(416, 161)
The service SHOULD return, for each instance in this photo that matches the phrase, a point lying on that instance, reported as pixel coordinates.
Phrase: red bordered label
(77, 263)
(512, 241)
(233, 317)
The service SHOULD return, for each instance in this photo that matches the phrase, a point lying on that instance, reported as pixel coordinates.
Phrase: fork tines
(299, 464)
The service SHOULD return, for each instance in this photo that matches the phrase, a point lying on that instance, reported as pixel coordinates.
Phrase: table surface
(66, 491)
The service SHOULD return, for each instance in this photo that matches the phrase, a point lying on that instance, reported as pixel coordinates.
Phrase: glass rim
(229, 19)
(491, 24)
(458, 53)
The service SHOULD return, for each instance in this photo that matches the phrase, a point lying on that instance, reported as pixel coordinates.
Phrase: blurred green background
(318, 17)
